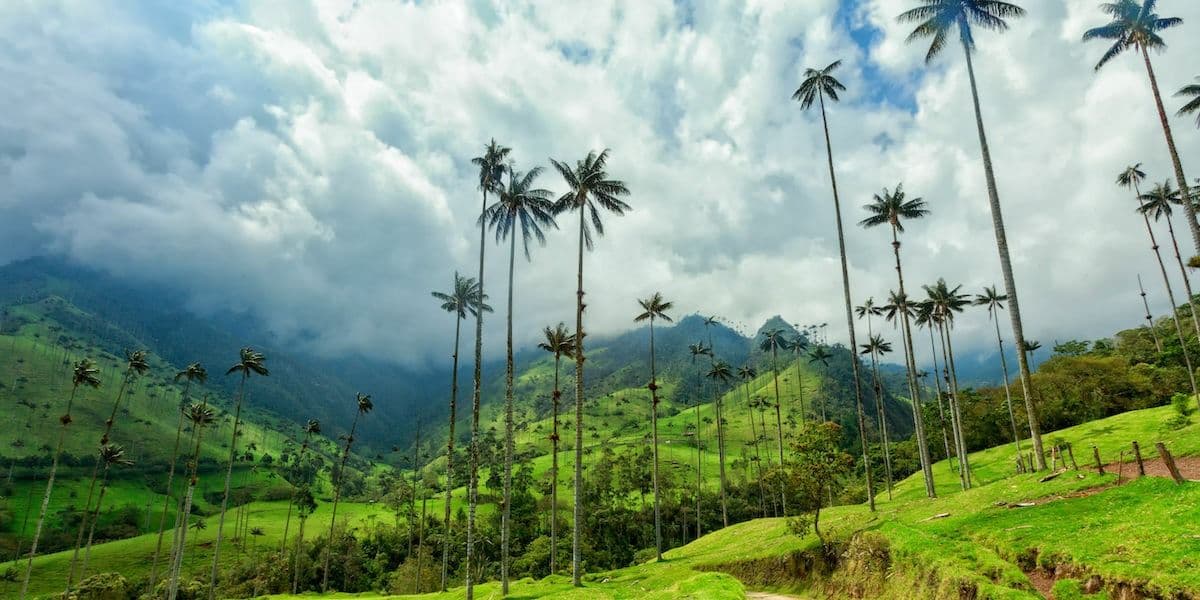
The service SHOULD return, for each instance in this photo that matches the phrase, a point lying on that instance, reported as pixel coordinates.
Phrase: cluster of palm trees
(521, 207)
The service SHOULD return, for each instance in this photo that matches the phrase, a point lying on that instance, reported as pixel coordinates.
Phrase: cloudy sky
(309, 160)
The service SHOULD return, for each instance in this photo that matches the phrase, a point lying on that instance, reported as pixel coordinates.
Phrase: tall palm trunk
(1149, 319)
(473, 485)
(654, 443)
(237, 421)
(1187, 281)
(1012, 417)
(421, 540)
(950, 456)
(881, 417)
(505, 517)
(87, 551)
(162, 518)
(296, 555)
(800, 390)
(87, 507)
(450, 454)
(956, 422)
(1162, 267)
(186, 512)
(337, 495)
(554, 470)
(910, 353)
(779, 426)
(699, 474)
(762, 502)
(1180, 179)
(292, 500)
(721, 455)
(37, 530)
(1010, 285)
(576, 564)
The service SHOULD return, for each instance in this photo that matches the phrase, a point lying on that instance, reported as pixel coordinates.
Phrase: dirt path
(1189, 467)
(769, 596)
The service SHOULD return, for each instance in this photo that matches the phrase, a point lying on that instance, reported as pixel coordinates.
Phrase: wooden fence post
(1071, 453)
(1096, 454)
(1137, 455)
(1170, 462)
(1120, 467)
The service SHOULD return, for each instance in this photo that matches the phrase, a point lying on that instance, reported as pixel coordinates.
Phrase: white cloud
(309, 161)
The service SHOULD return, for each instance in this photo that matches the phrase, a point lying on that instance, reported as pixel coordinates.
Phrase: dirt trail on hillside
(1189, 467)
(769, 596)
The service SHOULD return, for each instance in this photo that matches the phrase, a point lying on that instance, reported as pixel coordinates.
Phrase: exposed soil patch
(769, 596)
(1041, 581)
(1189, 467)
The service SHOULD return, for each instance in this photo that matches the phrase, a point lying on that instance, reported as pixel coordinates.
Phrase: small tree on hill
(817, 462)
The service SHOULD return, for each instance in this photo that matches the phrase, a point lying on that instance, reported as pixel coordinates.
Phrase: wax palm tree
(306, 504)
(491, 172)
(937, 19)
(1149, 319)
(892, 208)
(721, 373)
(1193, 106)
(994, 301)
(772, 341)
(747, 374)
(250, 362)
(199, 415)
(1136, 26)
(1033, 346)
(877, 347)
(590, 192)
(197, 373)
(698, 350)
(311, 428)
(136, 363)
(466, 298)
(110, 455)
(87, 375)
(1157, 203)
(820, 356)
(799, 345)
(523, 206)
(942, 304)
(559, 342)
(363, 405)
(817, 85)
(654, 307)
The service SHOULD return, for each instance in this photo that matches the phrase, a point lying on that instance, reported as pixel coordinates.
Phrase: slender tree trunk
(237, 418)
(37, 530)
(186, 513)
(1180, 179)
(296, 555)
(699, 474)
(956, 406)
(1162, 267)
(1187, 281)
(800, 389)
(87, 551)
(505, 517)
(473, 485)
(576, 563)
(554, 470)
(1149, 319)
(292, 500)
(762, 502)
(950, 456)
(721, 457)
(1012, 416)
(337, 495)
(450, 453)
(1010, 286)
(162, 519)
(910, 355)
(421, 539)
(881, 416)
(779, 426)
(654, 444)
(108, 425)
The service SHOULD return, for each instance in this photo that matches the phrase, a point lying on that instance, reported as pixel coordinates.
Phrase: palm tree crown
(654, 307)
(363, 402)
(992, 299)
(558, 341)
(936, 18)
(250, 361)
(1133, 26)
(944, 301)
(819, 355)
(876, 345)
(491, 166)
(1157, 202)
(465, 297)
(819, 83)
(893, 208)
(1191, 91)
(720, 372)
(746, 373)
(193, 372)
(199, 414)
(86, 374)
(774, 339)
(522, 205)
(1131, 176)
(312, 427)
(591, 190)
